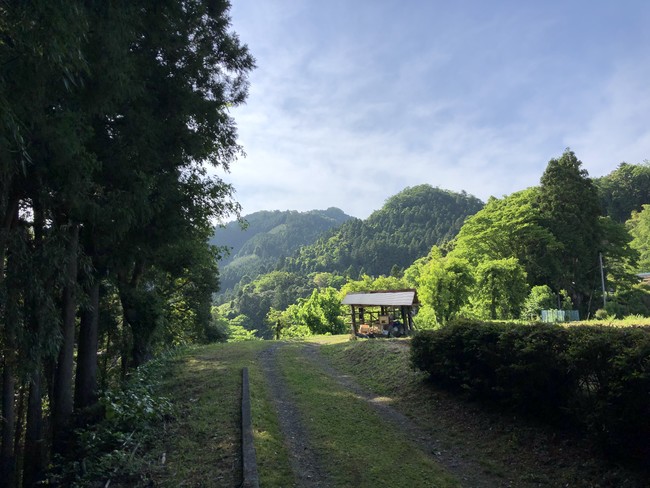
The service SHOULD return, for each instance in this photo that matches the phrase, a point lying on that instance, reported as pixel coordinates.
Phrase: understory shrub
(597, 376)
(104, 452)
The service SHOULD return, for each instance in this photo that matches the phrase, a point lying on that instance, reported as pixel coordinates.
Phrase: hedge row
(596, 376)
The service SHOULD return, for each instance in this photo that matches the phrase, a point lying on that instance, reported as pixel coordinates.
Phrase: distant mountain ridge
(403, 230)
(268, 237)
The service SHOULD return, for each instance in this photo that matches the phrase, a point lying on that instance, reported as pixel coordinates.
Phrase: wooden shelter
(383, 313)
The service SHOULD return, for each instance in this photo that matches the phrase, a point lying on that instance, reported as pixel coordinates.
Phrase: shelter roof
(390, 298)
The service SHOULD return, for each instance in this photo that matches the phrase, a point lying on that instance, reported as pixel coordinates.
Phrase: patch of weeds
(492, 468)
(131, 417)
(202, 446)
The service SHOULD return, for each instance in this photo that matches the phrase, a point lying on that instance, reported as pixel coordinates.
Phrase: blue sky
(352, 101)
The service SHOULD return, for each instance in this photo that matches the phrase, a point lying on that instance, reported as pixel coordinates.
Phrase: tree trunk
(141, 323)
(9, 315)
(62, 408)
(140, 330)
(85, 393)
(107, 355)
(18, 435)
(141, 352)
(7, 455)
(8, 220)
(125, 346)
(34, 462)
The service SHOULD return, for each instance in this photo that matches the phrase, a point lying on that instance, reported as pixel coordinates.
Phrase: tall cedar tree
(570, 209)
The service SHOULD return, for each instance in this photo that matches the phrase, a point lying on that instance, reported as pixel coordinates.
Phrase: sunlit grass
(358, 447)
(328, 339)
(629, 321)
(202, 445)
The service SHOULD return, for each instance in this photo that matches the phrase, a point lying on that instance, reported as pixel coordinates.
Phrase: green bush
(507, 363)
(597, 376)
(602, 314)
(611, 385)
(132, 414)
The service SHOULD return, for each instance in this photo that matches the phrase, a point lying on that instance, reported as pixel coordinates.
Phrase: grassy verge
(519, 450)
(359, 448)
(631, 321)
(202, 445)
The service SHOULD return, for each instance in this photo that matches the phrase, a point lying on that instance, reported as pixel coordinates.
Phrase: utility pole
(602, 279)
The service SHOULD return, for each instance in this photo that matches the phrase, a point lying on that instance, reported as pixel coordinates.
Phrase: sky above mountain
(352, 101)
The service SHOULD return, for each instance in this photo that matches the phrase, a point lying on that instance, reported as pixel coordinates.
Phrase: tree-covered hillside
(394, 236)
(535, 249)
(405, 229)
(624, 190)
(268, 236)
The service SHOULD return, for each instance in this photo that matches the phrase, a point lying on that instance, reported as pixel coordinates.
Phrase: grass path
(201, 447)
(343, 441)
(350, 414)
(467, 470)
(304, 459)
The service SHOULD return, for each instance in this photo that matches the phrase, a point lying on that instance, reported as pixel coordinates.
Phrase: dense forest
(260, 240)
(110, 116)
(404, 229)
(624, 190)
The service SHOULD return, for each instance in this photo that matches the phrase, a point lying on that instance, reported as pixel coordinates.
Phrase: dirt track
(305, 461)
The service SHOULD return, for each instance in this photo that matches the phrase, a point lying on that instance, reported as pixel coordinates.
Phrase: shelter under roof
(382, 313)
(394, 298)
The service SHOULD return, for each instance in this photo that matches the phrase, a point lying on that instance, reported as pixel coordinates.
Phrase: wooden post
(410, 317)
(249, 458)
(354, 322)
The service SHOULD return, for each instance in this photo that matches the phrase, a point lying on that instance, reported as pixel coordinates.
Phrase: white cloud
(476, 101)
(619, 130)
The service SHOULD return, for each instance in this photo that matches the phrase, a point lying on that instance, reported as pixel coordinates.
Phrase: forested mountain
(406, 228)
(624, 190)
(267, 237)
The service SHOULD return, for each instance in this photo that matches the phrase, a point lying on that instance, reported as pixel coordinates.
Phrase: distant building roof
(391, 298)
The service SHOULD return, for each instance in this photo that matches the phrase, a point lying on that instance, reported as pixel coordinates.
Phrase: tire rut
(470, 474)
(303, 457)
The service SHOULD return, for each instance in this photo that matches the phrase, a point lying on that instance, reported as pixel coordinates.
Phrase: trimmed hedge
(597, 376)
